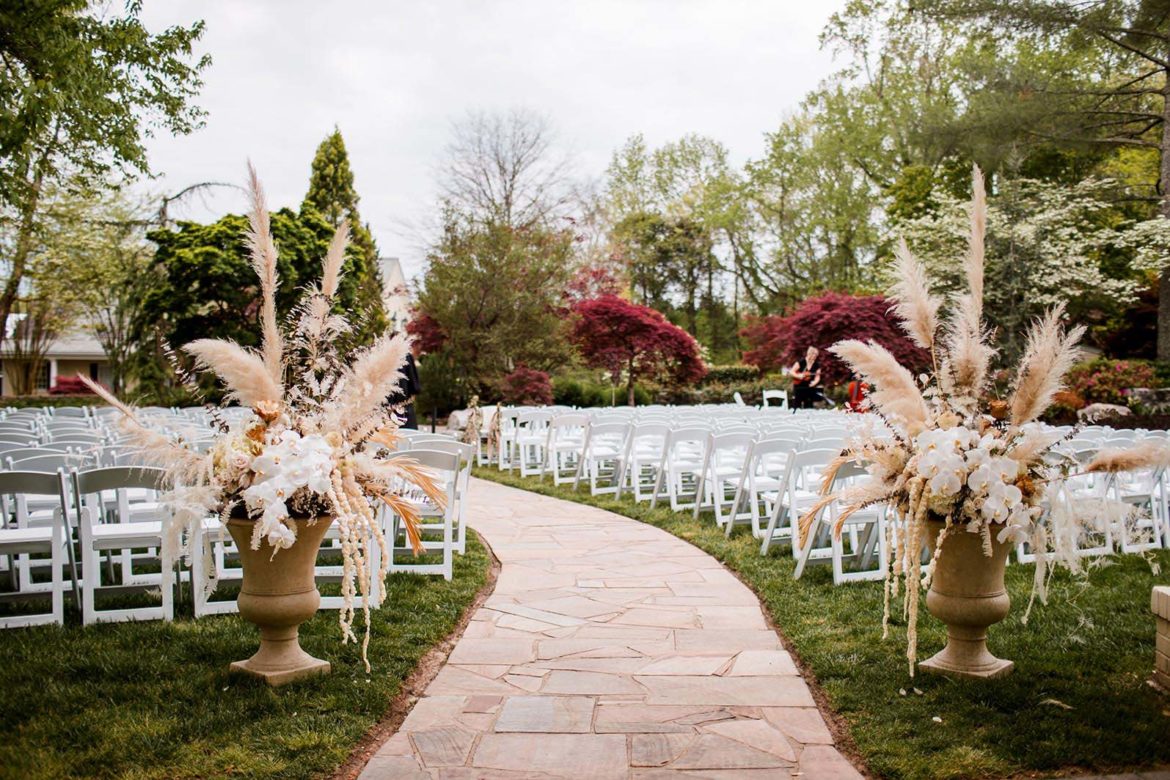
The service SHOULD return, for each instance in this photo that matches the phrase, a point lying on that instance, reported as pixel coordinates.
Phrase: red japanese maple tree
(425, 331)
(821, 322)
(616, 335)
(526, 387)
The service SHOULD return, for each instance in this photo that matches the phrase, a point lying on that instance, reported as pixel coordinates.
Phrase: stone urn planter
(968, 595)
(278, 594)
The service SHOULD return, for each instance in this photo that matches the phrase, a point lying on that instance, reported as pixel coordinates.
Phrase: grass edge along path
(1078, 700)
(155, 700)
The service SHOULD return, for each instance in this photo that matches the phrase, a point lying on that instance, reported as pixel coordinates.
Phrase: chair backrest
(776, 395)
(48, 464)
(532, 420)
(465, 451)
(90, 481)
(19, 484)
(73, 412)
(825, 443)
(739, 399)
(575, 420)
(7, 445)
(29, 452)
(679, 436)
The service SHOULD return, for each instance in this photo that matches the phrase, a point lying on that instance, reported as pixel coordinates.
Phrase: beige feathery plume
(371, 378)
(243, 372)
(183, 466)
(913, 303)
(1147, 455)
(334, 259)
(1032, 444)
(1049, 354)
(316, 319)
(263, 254)
(969, 353)
(894, 391)
(973, 265)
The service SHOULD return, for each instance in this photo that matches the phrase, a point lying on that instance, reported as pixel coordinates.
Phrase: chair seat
(117, 536)
(18, 540)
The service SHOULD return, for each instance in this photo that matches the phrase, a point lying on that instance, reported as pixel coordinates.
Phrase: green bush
(571, 391)
(726, 375)
(26, 401)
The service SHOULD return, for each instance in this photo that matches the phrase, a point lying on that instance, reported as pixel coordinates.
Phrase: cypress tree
(332, 195)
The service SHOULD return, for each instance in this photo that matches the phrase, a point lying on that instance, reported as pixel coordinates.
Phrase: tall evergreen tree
(332, 195)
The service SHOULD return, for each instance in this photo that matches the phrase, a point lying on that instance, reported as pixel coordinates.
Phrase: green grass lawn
(155, 700)
(1078, 698)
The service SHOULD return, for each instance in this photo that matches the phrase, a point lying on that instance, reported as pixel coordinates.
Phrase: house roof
(75, 345)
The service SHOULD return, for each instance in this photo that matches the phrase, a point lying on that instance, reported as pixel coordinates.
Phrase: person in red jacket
(857, 389)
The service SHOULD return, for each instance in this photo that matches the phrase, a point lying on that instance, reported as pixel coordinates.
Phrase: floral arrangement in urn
(312, 452)
(966, 474)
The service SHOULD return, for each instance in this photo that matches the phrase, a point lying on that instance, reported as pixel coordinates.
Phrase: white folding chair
(644, 447)
(602, 454)
(564, 446)
(862, 530)
(681, 466)
(434, 520)
(123, 532)
(800, 491)
(20, 539)
(764, 476)
(724, 462)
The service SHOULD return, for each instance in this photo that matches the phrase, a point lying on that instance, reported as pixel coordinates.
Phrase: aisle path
(610, 649)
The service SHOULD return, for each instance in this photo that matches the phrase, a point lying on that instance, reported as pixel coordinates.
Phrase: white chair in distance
(779, 396)
(680, 467)
(433, 521)
(602, 454)
(764, 477)
(564, 446)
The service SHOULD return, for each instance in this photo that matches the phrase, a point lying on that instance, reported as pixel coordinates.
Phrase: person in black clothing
(806, 380)
(408, 389)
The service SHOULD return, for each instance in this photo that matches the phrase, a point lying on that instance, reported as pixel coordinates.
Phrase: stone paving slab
(609, 649)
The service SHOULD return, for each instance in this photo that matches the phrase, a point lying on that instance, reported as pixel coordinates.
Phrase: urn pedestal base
(966, 655)
(278, 594)
(280, 659)
(968, 595)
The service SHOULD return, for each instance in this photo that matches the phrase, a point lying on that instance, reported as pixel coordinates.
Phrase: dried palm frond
(914, 304)
(243, 372)
(410, 518)
(263, 255)
(1049, 354)
(1147, 455)
(374, 375)
(894, 391)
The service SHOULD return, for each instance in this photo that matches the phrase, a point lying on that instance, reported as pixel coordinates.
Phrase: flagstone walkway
(609, 649)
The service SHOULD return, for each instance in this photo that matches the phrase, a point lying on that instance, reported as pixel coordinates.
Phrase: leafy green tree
(201, 284)
(332, 195)
(1047, 243)
(79, 89)
(94, 244)
(494, 292)
(676, 210)
(1126, 104)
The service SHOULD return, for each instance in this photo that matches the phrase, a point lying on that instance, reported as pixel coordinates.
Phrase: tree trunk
(630, 384)
(22, 250)
(1164, 280)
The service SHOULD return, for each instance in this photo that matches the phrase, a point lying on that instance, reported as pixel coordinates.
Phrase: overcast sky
(393, 74)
